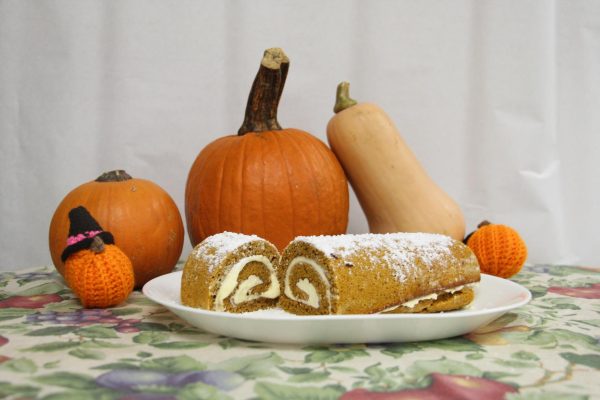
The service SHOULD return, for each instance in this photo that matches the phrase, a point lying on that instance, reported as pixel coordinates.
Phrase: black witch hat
(82, 231)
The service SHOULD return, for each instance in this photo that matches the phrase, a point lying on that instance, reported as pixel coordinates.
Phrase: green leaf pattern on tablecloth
(50, 348)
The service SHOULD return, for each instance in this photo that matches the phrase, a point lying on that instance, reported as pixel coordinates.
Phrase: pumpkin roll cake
(231, 272)
(377, 273)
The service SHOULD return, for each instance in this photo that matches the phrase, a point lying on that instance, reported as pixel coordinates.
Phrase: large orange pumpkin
(273, 182)
(142, 217)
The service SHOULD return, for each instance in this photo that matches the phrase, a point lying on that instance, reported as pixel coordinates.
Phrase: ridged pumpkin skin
(100, 280)
(143, 218)
(275, 184)
(500, 249)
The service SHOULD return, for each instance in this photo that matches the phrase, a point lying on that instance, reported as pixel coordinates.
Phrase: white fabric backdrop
(499, 100)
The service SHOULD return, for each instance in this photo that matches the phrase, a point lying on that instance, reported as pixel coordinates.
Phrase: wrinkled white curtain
(499, 100)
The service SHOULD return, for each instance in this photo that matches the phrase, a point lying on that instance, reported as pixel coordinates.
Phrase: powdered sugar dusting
(215, 248)
(399, 251)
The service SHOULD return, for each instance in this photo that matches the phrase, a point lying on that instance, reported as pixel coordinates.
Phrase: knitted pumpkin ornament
(97, 271)
(499, 249)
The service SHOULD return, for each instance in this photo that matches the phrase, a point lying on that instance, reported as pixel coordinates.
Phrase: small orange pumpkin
(141, 215)
(97, 271)
(500, 249)
(273, 182)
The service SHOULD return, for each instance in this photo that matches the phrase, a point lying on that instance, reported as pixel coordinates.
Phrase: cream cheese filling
(311, 291)
(241, 292)
(433, 296)
(305, 285)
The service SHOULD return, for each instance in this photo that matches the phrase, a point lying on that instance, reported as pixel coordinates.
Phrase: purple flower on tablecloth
(36, 276)
(84, 317)
(224, 380)
(76, 317)
(583, 292)
(36, 301)
(147, 396)
(27, 277)
(132, 380)
(443, 387)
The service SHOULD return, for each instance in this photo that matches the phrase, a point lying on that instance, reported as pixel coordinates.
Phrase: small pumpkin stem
(117, 175)
(481, 224)
(97, 245)
(261, 109)
(342, 98)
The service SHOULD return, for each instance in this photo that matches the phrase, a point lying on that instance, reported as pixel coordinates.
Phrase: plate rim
(262, 316)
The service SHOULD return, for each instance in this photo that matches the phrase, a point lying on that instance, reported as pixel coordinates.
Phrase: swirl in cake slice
(231, 272)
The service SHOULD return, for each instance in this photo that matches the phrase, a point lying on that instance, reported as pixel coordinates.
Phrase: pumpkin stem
(97, 245)
(261, 109)
(481, 224)
(342, 98)
(117, 175)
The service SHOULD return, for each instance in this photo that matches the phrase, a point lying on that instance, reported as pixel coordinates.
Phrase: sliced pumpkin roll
(231, 272)
(377, 273)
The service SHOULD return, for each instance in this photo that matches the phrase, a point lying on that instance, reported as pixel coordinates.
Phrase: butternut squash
(393, 189)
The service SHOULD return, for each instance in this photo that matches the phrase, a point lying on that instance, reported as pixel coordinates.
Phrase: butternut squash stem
(263, 101)
(342, 98)
(117, 175)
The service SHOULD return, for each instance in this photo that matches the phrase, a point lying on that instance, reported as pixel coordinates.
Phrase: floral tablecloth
(51, 348)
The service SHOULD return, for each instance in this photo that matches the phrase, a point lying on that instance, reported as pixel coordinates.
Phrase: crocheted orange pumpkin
(500, 249)
(97, 271)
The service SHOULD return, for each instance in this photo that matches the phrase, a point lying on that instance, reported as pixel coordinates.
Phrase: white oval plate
(493, 297)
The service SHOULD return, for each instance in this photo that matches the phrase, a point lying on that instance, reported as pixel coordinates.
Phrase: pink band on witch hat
(81, 236)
